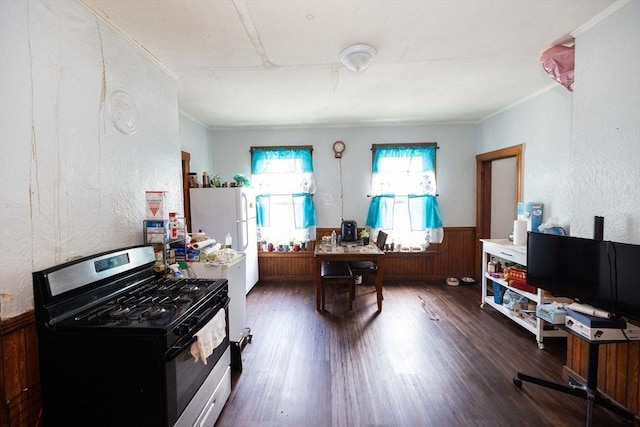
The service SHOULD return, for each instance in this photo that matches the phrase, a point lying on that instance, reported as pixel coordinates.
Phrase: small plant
(364, 235)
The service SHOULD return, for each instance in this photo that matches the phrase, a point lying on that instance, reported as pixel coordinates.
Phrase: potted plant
(364, 235)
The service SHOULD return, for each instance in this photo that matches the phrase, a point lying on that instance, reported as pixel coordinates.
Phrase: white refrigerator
(221, 210)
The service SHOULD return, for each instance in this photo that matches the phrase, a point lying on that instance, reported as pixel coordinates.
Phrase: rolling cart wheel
(517, 382)
(541, 345)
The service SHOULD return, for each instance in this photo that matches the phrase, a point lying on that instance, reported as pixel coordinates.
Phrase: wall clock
(338, 148)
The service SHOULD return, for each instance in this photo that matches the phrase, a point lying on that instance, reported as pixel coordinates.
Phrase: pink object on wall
(558, 62)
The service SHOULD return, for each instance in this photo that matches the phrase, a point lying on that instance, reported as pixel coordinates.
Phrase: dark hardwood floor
(433, 357)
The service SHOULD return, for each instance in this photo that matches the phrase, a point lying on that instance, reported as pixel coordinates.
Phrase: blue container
(498, 292)
(532, 213)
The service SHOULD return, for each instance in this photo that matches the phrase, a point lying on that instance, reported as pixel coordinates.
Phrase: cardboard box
(156, 231)
(552, 313)
(595, 321)
(532, 213)
(598, 329)
(156, 205)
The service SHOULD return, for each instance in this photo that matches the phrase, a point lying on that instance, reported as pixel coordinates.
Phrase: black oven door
(184, 375)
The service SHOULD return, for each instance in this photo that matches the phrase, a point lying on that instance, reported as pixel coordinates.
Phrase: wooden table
(349, 252)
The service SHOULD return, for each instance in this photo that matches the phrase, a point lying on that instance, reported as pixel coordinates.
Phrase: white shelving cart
(504, 250)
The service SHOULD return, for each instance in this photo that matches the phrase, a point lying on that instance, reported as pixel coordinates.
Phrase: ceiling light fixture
(358, 57)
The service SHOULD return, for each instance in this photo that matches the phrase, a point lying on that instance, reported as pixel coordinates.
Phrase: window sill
(276, 254)
(427, 253)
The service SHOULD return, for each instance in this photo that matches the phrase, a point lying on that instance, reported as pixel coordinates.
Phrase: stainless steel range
(115, 343)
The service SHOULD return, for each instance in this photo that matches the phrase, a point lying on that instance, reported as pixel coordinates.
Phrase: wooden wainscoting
(454, 257)
(291, 266)
(19, 376)
(618, 370)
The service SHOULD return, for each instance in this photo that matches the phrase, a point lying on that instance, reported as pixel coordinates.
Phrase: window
(284, 182)
(403, 188)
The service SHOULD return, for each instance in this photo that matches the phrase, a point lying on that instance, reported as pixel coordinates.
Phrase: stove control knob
(182, 330)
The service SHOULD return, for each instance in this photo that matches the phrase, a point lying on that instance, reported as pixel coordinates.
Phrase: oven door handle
(189, 338)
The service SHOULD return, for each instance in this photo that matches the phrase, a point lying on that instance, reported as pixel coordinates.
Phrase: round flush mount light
(123, 112)
(358, 57)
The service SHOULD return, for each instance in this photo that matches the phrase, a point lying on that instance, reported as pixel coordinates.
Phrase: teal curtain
(403, 177)
(381, 211)
(305, 210)
(424, 212)
(285, 184)
(262, 210)
(413, 158)
(263, 160)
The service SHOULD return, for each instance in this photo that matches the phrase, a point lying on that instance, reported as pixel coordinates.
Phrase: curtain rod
(275, 147)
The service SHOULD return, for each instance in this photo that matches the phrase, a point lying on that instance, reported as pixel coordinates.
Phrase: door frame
(186, 168)
(483, 191)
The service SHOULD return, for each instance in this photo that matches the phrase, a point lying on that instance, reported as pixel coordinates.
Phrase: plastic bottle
(228, 240)
(334, 239)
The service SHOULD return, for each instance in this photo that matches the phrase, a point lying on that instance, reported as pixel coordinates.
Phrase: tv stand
(588, 391)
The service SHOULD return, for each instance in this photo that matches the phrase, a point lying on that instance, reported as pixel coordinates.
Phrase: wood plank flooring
(433, 357)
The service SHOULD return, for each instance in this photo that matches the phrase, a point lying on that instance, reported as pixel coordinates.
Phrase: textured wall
(343, 185)
(71, 183)
(582, 149)
(544, 125)
(196, 139)
(606, 155)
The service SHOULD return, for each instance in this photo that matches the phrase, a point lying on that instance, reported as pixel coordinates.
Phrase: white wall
(584, 164)
(70, 183)
(352, 174)
(544, 124)
(606, 154)
(197, 140)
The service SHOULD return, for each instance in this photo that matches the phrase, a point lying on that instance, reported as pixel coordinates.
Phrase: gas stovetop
(118, 289)
(156, 304)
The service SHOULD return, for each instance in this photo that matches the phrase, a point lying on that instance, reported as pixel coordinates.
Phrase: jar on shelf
(193, 180)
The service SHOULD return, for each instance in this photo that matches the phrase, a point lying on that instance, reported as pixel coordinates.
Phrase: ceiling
(275, 63)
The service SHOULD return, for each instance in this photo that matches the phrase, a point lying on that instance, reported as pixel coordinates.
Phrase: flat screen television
(624, 268)
(599, 273)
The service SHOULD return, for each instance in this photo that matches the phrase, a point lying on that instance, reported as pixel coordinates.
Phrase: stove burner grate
(155, 302)
(155, 312)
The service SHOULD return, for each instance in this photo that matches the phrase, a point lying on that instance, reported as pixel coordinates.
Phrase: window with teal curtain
(403, 187)
(284, 182)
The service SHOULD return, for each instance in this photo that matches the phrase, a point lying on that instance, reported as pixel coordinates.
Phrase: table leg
(318, 277)
(379, 277)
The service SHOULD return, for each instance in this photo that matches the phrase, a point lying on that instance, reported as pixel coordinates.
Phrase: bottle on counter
(228, 241)
(193, 180)
(334, 239)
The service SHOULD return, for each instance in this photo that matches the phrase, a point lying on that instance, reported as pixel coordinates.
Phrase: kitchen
(80, 181)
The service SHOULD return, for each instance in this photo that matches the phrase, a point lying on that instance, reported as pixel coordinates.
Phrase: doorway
(485, 188)
(186, 168)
